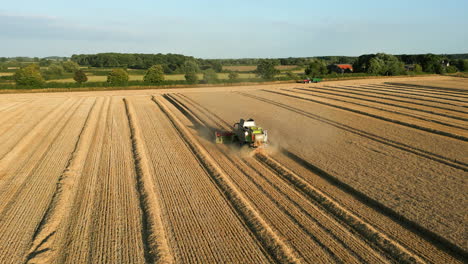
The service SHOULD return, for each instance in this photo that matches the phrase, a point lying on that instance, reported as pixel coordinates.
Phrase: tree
(29, 76)
(417, 68)
(191, 66)
(432, 63)
(210, 76)
(380, 64)
(266, 69)
(154, 75)
(217, 66)
(291, 75)
(191, 77)
(233, 76)
(376, 66)
(462, 65)
(394, 67)
(53, 71)
(117, 77)
(316, 68)
(451, 69)
(45, 62)
(70, 66)
(80, 77)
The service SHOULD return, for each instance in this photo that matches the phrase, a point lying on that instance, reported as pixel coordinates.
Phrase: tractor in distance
(313, 80)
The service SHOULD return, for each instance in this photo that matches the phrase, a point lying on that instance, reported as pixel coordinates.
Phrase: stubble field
(370, 171)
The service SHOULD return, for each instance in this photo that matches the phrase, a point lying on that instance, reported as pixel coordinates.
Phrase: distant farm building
(341, 68)
(409, 67)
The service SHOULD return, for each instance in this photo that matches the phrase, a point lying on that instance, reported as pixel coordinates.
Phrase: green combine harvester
(244, 132)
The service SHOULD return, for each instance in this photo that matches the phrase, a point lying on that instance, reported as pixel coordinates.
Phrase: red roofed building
(342, 68)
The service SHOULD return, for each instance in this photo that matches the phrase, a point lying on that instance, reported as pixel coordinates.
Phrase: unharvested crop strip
(337, 91)
(221, 124)
(206, 110)
(43, 246)
(402, 94)
(398, 252)
(435, 239)
(366, 90)
(427, 91)
(395, 89)
(432, 238)
(157, 249)
(430, 130)
(401, 146)
(268, 237)
(422, 90)
(311, 93)
(427, 87)
(201, 109)
(186, 111)
(284, 210)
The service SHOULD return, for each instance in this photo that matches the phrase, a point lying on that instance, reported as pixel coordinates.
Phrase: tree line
(157, 65)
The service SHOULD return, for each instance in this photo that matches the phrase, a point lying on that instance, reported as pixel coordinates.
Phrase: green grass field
(170, 77)
(245, 68)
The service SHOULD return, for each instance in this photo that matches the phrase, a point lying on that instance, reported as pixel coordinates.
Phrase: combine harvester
(244, 132)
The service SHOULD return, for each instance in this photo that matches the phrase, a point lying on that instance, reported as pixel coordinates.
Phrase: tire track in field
(401, 146)
(333, 240)
(14, 174)
(426, 129)
(215, 232)
(116, 234)
(424, 118)
(363, 90)
(335, 90)
(394, 89)
(27, 134)
(368, 232)
(385, 90)
(428, 235)
(429, 88)
(425, 91)
(25, 210)
(433, 241)
(80, 226)
(157, 249)
(44, 247)
(13, 106)
(12, 112)
(268, 237)
(355, 220)
(387, 244)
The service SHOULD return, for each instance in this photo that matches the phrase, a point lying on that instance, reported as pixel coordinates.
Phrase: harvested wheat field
(363, 171)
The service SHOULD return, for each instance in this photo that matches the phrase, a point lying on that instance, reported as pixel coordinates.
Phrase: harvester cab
(244, 132)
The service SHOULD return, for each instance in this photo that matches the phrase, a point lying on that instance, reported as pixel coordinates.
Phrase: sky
(233, 29)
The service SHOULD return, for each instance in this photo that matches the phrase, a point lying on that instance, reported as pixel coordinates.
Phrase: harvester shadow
(205, 132)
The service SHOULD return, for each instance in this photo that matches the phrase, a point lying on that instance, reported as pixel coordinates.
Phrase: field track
(364, 172)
